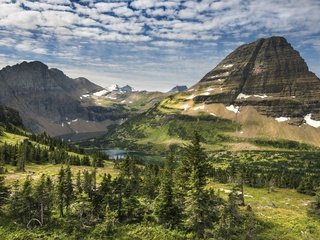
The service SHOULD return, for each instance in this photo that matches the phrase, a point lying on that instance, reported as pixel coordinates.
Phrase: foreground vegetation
(53, 190)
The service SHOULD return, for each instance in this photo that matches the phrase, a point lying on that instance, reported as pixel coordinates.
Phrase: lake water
(117, 153)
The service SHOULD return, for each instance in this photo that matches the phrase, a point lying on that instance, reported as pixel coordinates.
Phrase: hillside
(264, 88)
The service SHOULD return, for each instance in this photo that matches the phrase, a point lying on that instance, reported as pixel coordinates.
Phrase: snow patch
(209, 89)
(85, 95)
(232, 108)
(242, 95)
(62, 124)
(113, 87)
(100, 93)
(225, 74)
(205, 93)
(261, 96)
(74, 120)
(80, 97)
(190, 90)
(311, 122)
(282, 119)
(227, 66)
(293, 96)
(130, 101)
(212, 114)
(123, 101)
(69, 123)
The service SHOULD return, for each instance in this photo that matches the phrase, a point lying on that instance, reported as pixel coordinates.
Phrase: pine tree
(44, 198)
(4, 191)
(166, 209)
(78, 183)
(68, 188)
(61, 191)
(21, 201)
(197, 198)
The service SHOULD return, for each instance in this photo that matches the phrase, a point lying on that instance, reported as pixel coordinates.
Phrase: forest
(172, 200)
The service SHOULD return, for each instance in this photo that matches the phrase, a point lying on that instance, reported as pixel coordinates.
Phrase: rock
(268, 74)
(177, 89)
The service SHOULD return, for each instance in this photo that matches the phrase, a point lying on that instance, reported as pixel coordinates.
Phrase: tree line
(27, 152)
(282, 175)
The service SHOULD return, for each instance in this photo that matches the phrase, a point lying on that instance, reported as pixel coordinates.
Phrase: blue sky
(149, 44)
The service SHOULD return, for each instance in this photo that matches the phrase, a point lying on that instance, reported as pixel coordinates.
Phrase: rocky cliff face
(45, 98)
(267, 74)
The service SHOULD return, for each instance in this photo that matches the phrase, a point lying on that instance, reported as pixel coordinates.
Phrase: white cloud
(168, 44)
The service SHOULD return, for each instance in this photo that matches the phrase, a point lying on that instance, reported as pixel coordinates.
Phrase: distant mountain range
(50, 101)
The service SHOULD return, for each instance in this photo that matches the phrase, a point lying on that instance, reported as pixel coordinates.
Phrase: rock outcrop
(267, 74)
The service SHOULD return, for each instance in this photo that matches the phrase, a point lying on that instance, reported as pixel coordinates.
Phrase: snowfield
(100, 93)
(282, 119)
(232, 108)
(311, 122)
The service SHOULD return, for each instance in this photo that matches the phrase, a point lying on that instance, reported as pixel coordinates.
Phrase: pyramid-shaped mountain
(268, 74)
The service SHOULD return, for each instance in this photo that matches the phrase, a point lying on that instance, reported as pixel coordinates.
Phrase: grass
(11, 138)
(36, 170)
(283, 213)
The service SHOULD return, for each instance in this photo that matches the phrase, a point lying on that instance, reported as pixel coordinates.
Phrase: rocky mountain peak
(268, 74)
(177, 89)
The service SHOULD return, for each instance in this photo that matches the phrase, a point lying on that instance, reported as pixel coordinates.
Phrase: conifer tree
(61, 191)
(78, 182)
(166, 209)
(4, 191)
(197, 198)
(68, 187)
(44, 198)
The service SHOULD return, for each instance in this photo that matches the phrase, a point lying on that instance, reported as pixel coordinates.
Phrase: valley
(235, 156)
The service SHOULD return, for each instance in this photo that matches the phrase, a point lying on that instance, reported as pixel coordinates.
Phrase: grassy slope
(283, 212)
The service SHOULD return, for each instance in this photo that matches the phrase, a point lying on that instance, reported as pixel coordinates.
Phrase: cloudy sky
(149, 44)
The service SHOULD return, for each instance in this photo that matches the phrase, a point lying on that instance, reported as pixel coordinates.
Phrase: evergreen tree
(61, 191)
(166, 209)
(197, 217)
(68, 187)
(44, 199)
(4, 191)
(78, 183)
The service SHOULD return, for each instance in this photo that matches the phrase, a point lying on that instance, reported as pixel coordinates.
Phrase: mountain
(50, 101)
(264, 88)
(267, 74)
(177, 89)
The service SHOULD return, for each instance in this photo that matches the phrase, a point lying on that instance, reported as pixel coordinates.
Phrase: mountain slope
(265, 87)
(267, 74)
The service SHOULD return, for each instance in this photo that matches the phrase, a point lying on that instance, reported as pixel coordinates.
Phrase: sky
(149, 44)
